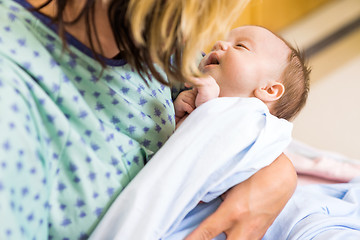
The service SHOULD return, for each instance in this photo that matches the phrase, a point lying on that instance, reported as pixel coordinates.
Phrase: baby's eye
(240, 45)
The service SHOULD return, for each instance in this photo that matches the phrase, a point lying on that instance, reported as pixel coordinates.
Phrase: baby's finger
(189, 98)
(187, 85)
(195, 82)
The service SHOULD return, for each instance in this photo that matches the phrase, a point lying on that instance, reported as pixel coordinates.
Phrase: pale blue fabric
(222, 143)
(164, 201)
(328, 211)
(319, 212)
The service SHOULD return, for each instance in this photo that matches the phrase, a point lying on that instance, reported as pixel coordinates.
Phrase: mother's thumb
(209, 228)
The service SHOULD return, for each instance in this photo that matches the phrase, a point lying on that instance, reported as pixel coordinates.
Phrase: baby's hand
(206, 88)
(184, 104)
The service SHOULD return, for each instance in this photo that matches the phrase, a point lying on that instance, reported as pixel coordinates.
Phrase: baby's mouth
(212, 60)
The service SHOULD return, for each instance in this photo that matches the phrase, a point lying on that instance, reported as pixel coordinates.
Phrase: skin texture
(250, 58)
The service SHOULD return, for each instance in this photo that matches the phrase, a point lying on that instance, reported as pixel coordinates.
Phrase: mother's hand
(250, 207)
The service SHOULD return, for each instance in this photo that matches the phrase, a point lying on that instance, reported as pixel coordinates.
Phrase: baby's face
(250, 57)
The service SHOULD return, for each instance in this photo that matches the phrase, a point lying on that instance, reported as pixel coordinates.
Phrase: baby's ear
(271, 92)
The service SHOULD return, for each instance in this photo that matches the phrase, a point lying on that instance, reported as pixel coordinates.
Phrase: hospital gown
(72, 134)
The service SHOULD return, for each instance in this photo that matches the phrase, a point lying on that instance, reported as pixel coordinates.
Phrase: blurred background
(329, 33)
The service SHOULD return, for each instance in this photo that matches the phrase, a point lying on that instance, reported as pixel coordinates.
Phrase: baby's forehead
(261, 38)
(253, 32)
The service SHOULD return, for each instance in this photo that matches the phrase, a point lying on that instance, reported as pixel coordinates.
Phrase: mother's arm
(251, 207)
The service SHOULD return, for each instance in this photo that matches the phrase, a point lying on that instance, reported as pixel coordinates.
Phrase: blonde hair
(152, 33)
(174, 32)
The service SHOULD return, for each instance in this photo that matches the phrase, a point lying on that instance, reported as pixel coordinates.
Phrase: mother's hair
(167, 33)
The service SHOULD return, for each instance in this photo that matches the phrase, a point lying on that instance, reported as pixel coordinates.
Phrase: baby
(252, 62)
(222, 143)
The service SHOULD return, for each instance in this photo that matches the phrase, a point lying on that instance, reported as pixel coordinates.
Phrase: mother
(85, 102)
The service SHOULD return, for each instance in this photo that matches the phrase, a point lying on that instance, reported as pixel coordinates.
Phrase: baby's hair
(296, 80)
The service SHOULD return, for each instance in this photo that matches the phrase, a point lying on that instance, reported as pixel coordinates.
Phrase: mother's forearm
(250, 207)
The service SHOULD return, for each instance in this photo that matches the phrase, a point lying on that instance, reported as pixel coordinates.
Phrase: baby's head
(254, 62)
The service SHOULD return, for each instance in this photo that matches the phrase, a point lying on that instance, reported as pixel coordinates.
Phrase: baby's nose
(221, 45)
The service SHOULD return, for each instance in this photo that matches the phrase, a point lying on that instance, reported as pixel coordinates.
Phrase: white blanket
(222, 143)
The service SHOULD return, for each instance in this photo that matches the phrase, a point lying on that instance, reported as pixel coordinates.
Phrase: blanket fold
(222, 143)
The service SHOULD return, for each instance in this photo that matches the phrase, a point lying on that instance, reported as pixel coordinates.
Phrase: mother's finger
(211, 227)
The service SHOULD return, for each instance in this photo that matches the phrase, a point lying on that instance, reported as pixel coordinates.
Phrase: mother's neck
(78, 30)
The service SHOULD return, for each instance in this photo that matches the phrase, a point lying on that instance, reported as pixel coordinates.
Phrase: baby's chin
(201, 68)
(207, 71)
